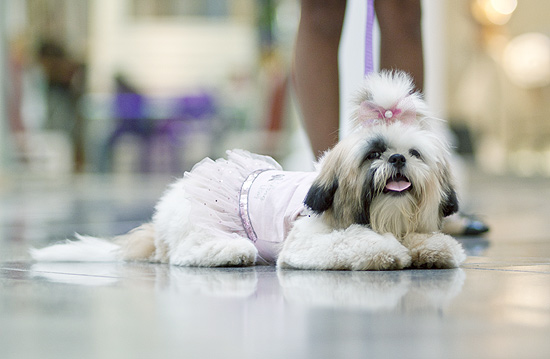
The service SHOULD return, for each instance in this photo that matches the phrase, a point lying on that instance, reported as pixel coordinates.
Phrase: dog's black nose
(397, 160)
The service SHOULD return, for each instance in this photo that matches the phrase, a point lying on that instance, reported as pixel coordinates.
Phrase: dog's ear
(449, 200)
(320, 196)
(449, 203)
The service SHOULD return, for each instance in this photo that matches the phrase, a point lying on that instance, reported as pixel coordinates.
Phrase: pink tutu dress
(247, 195)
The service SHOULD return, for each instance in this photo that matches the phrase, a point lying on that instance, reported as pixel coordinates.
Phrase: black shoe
(460, 224)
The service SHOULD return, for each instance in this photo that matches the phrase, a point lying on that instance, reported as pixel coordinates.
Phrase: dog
(375, 202)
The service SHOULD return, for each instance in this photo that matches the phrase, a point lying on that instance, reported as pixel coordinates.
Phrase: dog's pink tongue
(398, 186)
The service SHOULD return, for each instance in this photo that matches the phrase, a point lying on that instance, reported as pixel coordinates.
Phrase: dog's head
(393, 177)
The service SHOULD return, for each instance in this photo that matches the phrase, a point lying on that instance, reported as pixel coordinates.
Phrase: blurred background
(152, 86)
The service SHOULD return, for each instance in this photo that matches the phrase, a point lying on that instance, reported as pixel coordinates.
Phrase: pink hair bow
(370, 114)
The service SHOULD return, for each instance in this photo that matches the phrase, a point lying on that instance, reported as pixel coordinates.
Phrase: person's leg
(315, 71)
(401, 37)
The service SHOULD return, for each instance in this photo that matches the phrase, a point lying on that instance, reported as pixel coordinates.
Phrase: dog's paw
(235, 253)
(383, 261)
(434, 251)
(385, 254)
(380, 252)
(225, 252)
(354, 248)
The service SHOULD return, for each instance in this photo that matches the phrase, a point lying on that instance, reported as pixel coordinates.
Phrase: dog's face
(392, 178)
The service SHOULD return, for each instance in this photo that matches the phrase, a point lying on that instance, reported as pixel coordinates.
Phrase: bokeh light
(526, 60)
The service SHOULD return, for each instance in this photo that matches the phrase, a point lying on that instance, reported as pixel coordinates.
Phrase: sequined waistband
(243, 204)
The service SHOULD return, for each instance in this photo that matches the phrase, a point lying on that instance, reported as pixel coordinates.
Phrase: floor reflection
(370, 291)
(373, 291)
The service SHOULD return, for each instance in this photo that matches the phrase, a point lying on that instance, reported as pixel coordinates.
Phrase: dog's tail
(136, 245)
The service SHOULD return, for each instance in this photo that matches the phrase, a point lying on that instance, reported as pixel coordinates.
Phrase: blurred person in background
(65, 85)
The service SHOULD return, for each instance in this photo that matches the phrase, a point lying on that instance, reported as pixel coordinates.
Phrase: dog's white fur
(355, 225)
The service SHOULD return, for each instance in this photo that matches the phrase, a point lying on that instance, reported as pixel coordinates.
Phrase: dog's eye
(373, 156)
(414, 153)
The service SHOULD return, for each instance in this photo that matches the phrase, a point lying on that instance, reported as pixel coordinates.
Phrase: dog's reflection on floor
(373, 291)
(409, 290)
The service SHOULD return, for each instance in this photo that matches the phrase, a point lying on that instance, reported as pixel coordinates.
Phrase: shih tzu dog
(376, 202)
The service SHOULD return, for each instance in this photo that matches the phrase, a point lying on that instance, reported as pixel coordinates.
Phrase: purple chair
(190, 113)
(130, 113)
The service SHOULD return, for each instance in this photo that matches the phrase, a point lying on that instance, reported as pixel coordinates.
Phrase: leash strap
(369, 63)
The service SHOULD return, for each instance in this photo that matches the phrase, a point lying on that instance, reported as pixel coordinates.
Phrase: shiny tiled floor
(496, 306)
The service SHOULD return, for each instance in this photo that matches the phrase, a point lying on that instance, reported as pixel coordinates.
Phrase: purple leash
(369, 64)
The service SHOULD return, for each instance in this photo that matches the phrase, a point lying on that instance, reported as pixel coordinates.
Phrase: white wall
(166, 55)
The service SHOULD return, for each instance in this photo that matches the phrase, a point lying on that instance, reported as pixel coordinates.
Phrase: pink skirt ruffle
(213, 188)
